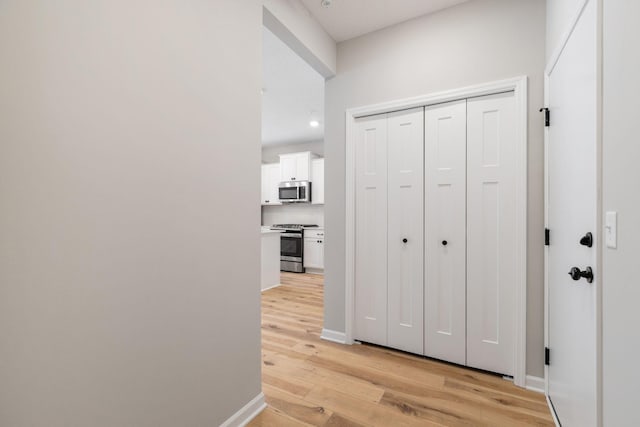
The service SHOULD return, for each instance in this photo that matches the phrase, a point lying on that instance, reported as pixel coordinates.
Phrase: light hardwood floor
(309, 381)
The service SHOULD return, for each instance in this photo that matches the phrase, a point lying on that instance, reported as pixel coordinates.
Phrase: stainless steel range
(292, 246)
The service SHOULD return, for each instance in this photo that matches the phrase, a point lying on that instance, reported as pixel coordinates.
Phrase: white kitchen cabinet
(270, 181)
(314, 249)
(295, 166)
(317, 182)
(270, 258)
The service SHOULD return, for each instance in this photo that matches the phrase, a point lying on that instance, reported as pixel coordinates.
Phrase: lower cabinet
(314, 249)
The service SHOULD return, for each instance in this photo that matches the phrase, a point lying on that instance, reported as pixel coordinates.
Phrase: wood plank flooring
(309, 381)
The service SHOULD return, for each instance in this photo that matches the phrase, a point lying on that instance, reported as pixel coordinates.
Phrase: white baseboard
(247, 412)
(334, 336)
(534, 384)
(271, 287)
(553, 413)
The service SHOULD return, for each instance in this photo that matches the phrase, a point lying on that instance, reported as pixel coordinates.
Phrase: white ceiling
(292, 93)
(346, 19)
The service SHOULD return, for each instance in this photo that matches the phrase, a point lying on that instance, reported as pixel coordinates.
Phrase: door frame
(552, 62)
(518, 85)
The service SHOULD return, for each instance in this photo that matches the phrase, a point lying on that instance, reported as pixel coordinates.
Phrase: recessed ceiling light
(325, 3)
(314, 123)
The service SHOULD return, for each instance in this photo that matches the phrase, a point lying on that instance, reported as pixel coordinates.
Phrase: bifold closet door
(370, 318)
(445, 231)
(491, 232)
(405, 234)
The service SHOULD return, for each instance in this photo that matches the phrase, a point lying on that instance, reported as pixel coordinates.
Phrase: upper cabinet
(270, 181)
(295, 166)
(317, 181)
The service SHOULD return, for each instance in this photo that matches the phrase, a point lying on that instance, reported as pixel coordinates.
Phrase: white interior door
(572, 207)
(491, 232)
(405, 245)
(445, 231)
(370, 323)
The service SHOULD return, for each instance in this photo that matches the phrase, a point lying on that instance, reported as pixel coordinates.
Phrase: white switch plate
(611, 229)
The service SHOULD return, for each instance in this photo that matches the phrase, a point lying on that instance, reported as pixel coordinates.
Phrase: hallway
(309, 381)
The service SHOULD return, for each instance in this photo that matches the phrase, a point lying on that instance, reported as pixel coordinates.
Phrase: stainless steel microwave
(294, 192)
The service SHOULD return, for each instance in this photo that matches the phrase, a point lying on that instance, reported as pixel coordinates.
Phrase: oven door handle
(291, 235)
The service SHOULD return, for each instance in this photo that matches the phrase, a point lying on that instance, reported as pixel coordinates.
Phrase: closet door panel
(405, 246)
(491, 232)
(445, 231)
(371, 231)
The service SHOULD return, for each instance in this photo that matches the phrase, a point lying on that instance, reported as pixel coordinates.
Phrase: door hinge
(546, 356)
(547, 116)
(546, 237)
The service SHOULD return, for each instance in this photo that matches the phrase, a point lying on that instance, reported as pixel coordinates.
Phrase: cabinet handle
(404, 240)
(266, 201)
(445, 243)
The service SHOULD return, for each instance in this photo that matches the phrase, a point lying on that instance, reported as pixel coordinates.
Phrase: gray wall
(270, 153)
(621, 175)
(122, 298)
(475, 42)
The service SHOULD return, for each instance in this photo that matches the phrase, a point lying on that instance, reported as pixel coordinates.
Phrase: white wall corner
(334, 336)
(534, 384)
(246, 413)
(292, 23)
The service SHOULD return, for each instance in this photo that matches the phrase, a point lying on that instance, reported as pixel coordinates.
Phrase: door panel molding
(519, 86)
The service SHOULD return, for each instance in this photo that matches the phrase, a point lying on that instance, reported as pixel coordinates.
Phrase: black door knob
(576, 274)
(587, 240)
(445, 243)
(404, 240)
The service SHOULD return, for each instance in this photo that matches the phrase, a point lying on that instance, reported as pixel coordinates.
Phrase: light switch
(611, 229)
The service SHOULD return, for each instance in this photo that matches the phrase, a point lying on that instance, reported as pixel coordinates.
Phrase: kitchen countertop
(267, 230)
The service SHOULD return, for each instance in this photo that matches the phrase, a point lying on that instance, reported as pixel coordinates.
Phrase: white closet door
(405, 238)
(491, 231)
(371, 230)
(445, 231)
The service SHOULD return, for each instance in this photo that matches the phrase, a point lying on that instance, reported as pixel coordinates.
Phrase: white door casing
(405, 230)
(572, 211)
(491, 232)
(371, 233)
(445, 231)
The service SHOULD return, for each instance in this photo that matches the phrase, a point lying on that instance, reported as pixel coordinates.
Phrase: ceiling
(346, 19)
(293, 92)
